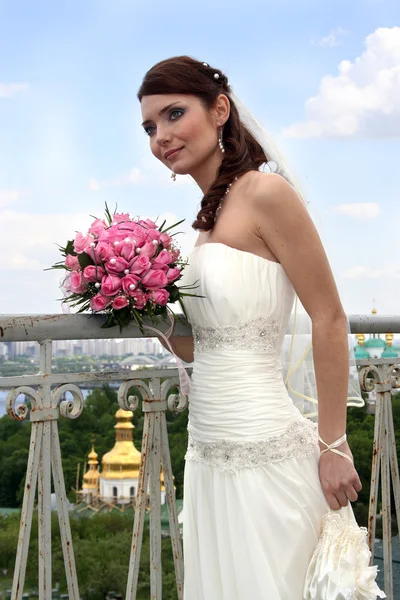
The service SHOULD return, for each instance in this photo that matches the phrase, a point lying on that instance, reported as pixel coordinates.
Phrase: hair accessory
(216, 76)
(206, 64)
(173, 176)
(334, 445)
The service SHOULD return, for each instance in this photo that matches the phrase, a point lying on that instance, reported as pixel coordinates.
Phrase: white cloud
(359, 210)
(363, 99)
(8, 197)
(94, 185)
(134, 176)
(19, 261)
(332, 39)
(389, 271)
(151, 172)
(9, 89)
(29, 240)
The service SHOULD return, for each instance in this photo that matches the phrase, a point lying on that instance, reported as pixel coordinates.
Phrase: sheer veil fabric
(297, 355)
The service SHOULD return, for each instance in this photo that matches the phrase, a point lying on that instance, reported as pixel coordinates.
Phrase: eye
(173, 111)
(176, 110)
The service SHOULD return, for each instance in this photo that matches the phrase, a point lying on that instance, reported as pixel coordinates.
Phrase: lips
(171, 153)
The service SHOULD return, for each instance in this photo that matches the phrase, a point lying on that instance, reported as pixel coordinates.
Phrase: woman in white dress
(258, 480)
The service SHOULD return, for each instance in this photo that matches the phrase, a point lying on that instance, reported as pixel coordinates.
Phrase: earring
(221, 145)
(173, 176)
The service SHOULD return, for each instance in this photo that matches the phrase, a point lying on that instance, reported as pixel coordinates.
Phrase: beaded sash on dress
(259, 334)
(298, 440)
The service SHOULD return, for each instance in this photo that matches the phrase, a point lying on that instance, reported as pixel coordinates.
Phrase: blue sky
(323, 77)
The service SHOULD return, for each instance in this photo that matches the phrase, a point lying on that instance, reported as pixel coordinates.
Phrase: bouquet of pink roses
(123, 267)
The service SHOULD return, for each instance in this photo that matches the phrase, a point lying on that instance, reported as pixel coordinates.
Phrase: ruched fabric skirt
(250, 534)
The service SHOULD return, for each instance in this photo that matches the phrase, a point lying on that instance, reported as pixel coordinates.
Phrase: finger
(351, 494)
(332, 501)
(357, 484)
(342, 498)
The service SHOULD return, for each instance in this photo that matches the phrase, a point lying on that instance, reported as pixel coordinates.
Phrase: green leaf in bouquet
(193, 295)
(56, 266)
(85, 260)
(69, 248)
(176, 233)
(173, 293)
(83, 308)
(174, 225)
(108, 214)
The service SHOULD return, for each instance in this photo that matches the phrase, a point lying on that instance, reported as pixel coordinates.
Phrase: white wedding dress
(253, 501)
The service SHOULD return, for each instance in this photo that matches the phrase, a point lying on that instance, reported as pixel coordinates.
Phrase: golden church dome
(123, 461)
(91, 477)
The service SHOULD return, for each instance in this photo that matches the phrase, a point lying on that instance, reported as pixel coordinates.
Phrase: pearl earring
(221, 145)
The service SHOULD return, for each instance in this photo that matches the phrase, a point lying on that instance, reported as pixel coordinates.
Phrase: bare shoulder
(272, 188)
(284, 223)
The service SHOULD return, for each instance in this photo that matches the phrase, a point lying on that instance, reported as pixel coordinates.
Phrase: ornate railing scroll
(154, 455)
(383, 378)
(44, 460)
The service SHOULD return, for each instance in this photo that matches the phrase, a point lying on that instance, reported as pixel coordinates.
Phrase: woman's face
(180, 121)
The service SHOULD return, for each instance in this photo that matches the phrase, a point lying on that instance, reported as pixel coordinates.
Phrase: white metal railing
(45, 457)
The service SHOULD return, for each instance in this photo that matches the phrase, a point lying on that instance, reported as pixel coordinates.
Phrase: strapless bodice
(238, 323)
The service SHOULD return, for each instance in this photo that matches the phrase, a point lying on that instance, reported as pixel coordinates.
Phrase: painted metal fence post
(383, 377)
(44, 457)
(154, 455)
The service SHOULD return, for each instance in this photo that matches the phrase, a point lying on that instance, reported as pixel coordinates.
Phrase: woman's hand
(339, 479)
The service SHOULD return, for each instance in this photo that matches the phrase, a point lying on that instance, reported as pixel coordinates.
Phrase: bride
(259, 476)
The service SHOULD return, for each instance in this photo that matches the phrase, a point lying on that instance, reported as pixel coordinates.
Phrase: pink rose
(173, 274)
(148, 249)
(81, 242)
(148, 223)
(118, 217)
(175, 254)
(138, 234)
(110, 285)
(140, 264)
(140, 299)
(127, 282)
(104, 235)
(97, 226)
(155, 279)
(120, 302)
(165, 239)
(114, 234)
(128, 226)
(116, 265)
(164, 258)
(127, 250)
(103, 252)
(72, 262)
(92, 273)
(76, 282)
(160, 297)
(99, 302)
(153, 234)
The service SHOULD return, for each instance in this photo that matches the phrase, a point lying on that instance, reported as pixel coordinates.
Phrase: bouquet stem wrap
(184, 379)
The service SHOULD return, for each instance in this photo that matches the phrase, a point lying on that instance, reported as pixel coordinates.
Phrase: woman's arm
(285, 225)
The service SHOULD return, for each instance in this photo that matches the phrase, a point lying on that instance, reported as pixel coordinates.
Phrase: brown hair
(185, 75)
